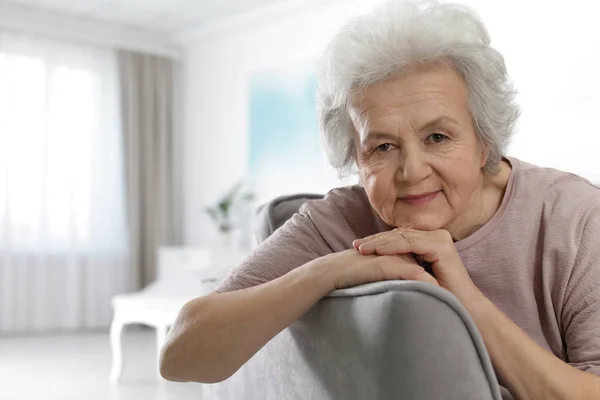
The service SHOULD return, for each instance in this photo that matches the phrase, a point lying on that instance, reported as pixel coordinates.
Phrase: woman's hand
(351, 268)
(434, 247)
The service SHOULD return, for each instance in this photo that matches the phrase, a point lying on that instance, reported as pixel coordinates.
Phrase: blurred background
(137, 137)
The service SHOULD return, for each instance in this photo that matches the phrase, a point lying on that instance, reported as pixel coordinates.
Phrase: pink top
(537, 259)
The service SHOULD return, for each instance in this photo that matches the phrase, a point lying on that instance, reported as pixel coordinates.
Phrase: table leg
(117, 350)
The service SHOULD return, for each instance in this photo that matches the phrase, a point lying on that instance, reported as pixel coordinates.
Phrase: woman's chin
(427, 222)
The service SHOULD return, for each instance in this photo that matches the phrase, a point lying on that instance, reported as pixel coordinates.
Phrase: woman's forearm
(528, 370)
(215, 335)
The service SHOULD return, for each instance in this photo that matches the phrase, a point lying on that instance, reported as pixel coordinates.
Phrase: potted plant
(221, 212)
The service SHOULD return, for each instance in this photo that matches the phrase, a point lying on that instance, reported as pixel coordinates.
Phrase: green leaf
(220, 212)
(213, 213)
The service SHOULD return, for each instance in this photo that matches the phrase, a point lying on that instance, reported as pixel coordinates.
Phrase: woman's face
(419, 157)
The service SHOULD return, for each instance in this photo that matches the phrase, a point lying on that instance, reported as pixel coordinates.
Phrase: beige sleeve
(297, 242)
(581, 312)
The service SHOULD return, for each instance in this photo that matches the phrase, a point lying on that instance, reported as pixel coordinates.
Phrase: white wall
(215, 73)
(76, 28)
(552, 52)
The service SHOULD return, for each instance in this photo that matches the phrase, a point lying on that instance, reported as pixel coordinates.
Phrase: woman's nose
(414, 166)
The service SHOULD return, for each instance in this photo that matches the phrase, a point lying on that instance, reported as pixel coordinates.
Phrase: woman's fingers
(399, 268)
(435, 247)
(405, 240)
(350, 268)
(392, 242)
(376, 237)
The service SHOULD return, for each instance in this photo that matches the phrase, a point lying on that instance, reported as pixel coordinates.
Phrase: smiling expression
(418, 154)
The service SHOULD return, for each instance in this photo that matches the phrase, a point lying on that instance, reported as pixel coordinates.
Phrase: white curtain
(63, 242)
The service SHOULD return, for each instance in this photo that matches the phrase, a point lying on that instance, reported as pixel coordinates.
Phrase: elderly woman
(417, 101)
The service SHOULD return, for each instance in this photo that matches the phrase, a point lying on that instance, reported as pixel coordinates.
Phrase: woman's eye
(437, 137)
(384, 147)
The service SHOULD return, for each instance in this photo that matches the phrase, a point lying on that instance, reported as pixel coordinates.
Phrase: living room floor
(77, 367)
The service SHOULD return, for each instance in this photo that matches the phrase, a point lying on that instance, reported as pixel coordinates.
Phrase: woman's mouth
(419, 199)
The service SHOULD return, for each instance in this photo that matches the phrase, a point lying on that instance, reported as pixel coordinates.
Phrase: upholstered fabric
(381, 341)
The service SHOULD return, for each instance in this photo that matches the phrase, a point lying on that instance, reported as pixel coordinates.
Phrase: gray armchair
(381, 341)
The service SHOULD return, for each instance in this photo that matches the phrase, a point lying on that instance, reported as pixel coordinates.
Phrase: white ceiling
(167, 16)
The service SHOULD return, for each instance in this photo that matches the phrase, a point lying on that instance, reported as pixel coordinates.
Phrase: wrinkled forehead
(415, 109)
(413, 98)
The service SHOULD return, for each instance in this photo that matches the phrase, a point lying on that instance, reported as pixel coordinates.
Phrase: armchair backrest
(382, 341)
(275, 213)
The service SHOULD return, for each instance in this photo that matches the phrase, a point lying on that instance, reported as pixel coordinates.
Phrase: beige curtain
(147, 114)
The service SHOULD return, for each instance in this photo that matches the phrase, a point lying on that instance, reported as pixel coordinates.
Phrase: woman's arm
(215, 335)
(528, 370)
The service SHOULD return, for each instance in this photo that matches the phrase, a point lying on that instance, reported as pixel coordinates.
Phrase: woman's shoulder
(345, 198)
(562, 193)
(345, 207)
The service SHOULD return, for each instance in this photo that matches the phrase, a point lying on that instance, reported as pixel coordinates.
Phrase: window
(61, 185)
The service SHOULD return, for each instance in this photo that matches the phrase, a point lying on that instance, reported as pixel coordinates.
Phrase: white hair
(400, 34)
